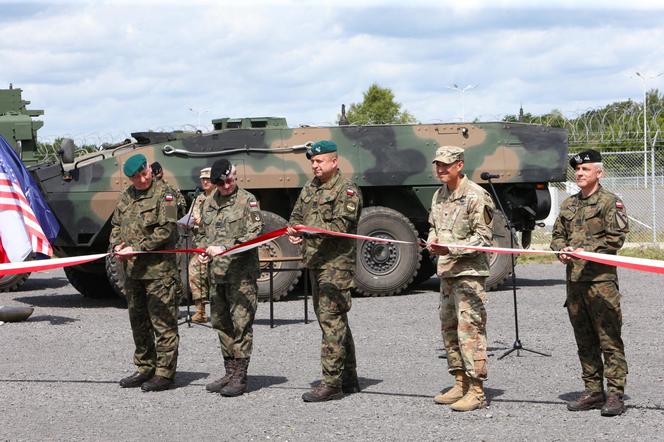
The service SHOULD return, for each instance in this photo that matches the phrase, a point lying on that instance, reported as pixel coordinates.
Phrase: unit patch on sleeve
(169, 197)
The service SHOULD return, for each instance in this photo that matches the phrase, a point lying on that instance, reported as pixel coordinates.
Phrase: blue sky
(103, 69)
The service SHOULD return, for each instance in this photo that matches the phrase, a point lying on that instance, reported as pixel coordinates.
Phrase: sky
(104, 69)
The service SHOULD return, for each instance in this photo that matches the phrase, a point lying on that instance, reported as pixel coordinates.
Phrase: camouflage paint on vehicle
(390, 163)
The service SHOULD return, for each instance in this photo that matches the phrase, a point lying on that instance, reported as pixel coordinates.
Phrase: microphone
(486, 176)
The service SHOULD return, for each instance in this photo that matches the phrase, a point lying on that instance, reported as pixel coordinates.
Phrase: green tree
(378, 107)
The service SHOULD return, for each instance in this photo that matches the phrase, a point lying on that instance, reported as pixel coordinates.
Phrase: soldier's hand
(215, 250)
(196, 219)
(294, 236)
(203, 258)
(435, 249)
(124, 252)
(564, 257)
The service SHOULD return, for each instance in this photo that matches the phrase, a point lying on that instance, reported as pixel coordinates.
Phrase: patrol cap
(448, 154)
(320, 147)
(205, 172)
(134, 164)
(221, 169)
(587, 156)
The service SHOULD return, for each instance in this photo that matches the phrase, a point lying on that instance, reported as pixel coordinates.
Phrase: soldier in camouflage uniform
(145, 220)
(230, 216)
(331, 202)
(461, 213)
(198, 271)
(594, 220)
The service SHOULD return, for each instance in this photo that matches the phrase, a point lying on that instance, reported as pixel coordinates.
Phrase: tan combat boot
(473, 400)
(200, 316)
(457, 391)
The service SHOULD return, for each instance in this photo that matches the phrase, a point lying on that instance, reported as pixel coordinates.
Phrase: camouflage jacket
(227, 221)
(146, 220)
(334, 205)
(179, 198)
(195, 213)
(464, 216)
(596, 224)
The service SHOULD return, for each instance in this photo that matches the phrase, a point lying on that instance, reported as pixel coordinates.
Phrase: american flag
(20, 230)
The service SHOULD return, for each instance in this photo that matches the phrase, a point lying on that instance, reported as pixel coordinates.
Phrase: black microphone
(488, 176)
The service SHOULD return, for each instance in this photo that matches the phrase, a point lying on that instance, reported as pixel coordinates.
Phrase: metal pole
(652, 188)
(645, 135)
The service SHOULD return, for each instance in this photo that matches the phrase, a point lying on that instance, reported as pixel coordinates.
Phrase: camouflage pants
(463, 324)
(594, 311)
(332, 301)
(233, 305)
(153, 309)
(199, 285)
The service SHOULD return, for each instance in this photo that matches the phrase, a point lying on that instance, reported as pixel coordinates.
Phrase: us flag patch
(350, 192)
(253, 204)
(168, 197)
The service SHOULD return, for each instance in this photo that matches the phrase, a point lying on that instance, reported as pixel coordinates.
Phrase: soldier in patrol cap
(594, 220)
(230, 216)
(145, 220)
(198, 272)
(330, 202)
(461, 213)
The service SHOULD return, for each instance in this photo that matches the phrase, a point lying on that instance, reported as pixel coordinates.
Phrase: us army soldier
(331, 202)
(594, 220)
(145, 220)
(198, 272)
(230, 216)
(461, 213)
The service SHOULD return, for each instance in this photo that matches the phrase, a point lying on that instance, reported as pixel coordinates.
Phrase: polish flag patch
(168, 197)
(253, 204)
(350, 192)
(619, 205)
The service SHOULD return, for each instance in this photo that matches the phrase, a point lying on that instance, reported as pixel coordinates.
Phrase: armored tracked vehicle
(390, 163)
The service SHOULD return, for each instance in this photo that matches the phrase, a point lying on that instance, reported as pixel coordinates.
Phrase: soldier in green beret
(594, 220)
(331, 202)
(461, 213)
(145, 220)
(231, 216)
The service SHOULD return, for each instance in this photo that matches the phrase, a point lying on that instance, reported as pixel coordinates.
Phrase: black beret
(156, 167)
(587, 156)
(221, 169)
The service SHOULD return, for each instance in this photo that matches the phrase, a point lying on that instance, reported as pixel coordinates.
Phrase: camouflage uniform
(146, 220)
(598, 224)
(227, 221)
(198, 271)
(463, 216)
(334, 205)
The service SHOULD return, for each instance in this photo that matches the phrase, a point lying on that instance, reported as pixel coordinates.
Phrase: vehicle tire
(90, 284)
(500, 264)
(427, 268)
(385, 269)
(10, 283)
(282, 281)
(116, 275)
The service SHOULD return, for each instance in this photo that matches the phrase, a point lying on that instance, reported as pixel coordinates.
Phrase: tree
(49, 151)
(378, 107)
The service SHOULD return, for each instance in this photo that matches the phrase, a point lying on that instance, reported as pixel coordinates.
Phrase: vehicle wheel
(283, 281)
(427, 268)
(385, 269)
(90, 284)
(10, 283)
(116, 275)
(500, 264)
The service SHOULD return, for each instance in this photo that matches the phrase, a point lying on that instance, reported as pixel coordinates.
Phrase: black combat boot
(322, 393)
(349, 382)
(157, 383)
(614, 405)
(238, 383)
(134, 380)
(587, 401)
(216, 386)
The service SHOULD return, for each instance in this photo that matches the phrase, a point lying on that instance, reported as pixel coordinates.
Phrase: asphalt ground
(59, 371)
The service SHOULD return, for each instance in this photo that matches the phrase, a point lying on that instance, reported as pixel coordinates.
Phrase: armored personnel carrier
(390, 163)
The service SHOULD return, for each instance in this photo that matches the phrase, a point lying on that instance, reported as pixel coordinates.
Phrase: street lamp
(462, 92)
(644, 80)
(198, 116)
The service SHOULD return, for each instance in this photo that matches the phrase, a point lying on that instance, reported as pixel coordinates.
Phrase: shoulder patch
(619, 204)
(253, 204)
(350, 192)
(169, 197)
(488, 214)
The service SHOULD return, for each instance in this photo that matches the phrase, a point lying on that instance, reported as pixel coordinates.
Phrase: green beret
(135, 164)
(319, 147)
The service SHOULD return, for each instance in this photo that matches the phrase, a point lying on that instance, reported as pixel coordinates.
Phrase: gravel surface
(59, 371)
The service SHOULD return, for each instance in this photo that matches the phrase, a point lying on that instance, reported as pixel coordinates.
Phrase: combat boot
(473, 399)
(457, 391)
(200, 316)
(587, 401)
(349, 382)
(614, 405)
(322, 393)
(216, 386)
(157, 383)
(135, 380)
(238, 383)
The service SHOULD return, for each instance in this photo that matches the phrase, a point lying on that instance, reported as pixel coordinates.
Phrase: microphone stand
(517, 342)
(187, 243)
